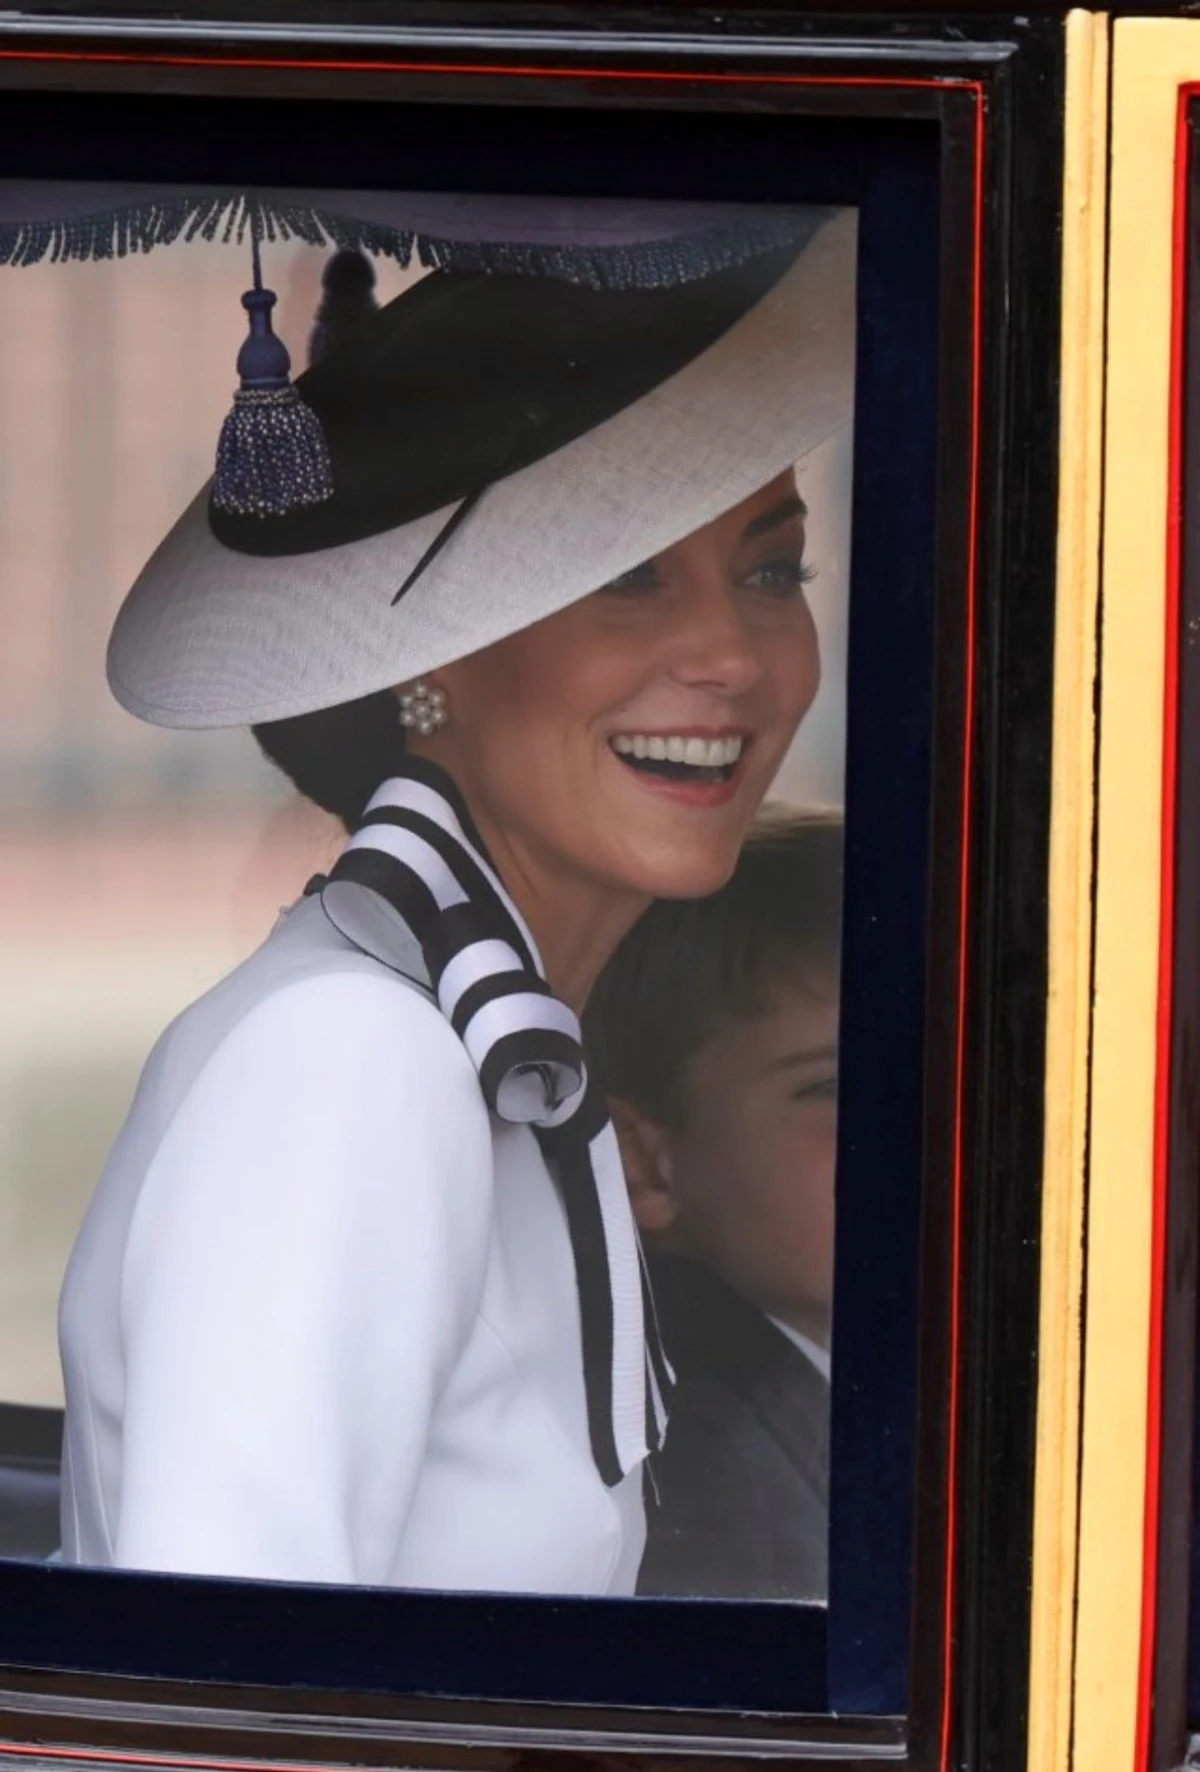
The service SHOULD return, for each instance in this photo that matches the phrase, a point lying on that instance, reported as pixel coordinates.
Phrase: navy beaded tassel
(272, 456)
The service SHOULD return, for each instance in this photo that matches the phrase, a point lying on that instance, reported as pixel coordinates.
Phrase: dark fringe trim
(647, 265)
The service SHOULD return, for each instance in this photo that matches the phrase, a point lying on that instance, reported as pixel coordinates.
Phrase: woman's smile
(696, 766)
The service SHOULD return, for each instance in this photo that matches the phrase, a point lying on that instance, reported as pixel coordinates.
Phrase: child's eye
(781, 577)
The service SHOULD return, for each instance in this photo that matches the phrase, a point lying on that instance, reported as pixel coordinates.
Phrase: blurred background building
(139, 865)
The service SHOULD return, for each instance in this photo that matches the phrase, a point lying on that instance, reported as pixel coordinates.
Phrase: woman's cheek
(812, 662)
(798, 677)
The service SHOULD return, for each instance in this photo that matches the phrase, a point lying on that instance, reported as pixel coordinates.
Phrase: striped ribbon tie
(416, 869)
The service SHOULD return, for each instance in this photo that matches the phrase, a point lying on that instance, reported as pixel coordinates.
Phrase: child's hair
(690, 967)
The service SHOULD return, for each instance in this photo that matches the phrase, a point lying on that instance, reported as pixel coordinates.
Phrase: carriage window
(145, 861)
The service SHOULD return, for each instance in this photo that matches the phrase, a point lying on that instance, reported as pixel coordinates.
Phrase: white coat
(321, 1322)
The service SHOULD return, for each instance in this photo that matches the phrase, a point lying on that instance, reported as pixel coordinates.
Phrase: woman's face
(629, 738)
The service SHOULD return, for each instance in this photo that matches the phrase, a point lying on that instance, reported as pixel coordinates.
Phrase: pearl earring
(423, 708)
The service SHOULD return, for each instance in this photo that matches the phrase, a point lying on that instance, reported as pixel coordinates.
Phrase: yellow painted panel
(1068, 1025)
(1151, 59)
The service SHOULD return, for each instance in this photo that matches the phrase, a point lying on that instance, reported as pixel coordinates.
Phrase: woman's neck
(576, 939)
(576, 922)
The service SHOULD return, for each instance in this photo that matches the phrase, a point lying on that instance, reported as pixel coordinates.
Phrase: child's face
(751, 1167)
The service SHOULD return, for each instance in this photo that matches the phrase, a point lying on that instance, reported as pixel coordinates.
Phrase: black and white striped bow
(417, 869)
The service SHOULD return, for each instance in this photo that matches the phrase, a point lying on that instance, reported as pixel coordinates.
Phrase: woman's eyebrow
(793, 506)
(821, 1055)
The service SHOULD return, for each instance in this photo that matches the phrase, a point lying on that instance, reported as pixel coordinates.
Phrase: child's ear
(649, 1176)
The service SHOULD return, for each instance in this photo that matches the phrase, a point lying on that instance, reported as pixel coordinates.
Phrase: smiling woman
(360, 1296)
(583, 743)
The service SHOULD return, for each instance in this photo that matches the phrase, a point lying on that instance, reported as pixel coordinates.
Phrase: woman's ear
(649, 1172)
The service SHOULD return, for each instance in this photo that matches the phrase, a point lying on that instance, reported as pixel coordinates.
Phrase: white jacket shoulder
(304, 1264)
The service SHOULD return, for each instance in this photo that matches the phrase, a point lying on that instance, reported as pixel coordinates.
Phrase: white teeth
(697, 753)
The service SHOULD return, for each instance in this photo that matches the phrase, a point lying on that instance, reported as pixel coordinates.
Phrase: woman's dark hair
(338, 756)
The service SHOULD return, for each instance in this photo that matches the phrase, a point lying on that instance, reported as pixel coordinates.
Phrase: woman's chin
(679, 870)
(682, 844)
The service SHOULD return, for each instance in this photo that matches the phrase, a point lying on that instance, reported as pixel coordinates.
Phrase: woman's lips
(691, 793)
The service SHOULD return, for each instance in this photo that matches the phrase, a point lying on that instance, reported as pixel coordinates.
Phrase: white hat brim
(210, 637)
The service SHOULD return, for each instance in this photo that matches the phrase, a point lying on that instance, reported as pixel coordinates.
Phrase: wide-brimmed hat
(548, 435)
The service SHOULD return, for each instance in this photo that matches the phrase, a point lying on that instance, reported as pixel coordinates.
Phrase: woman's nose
(717, 647)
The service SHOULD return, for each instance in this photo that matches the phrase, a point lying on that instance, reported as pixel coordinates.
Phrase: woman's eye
(824, 1090)
(643, 577)
(781, 577)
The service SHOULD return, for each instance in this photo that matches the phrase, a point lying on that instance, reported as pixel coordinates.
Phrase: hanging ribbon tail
(660, 1374)
(411, 873)
(628, 1379)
